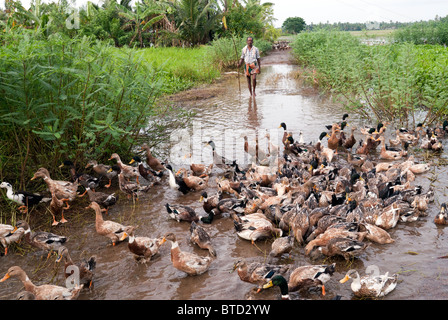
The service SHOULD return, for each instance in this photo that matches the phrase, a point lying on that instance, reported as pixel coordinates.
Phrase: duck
(146, 172)
(57, 208)
(107, 228)
(190, 263)
(103, 199)
(255, 226)
(345, 247)
(229, 205)
(41, 239)
(130, 188)
(210, 203)
(85, 267)
(303, 277)
(7, 236)
(199, 236)
(102, 170)
(258, 272)
(350, 141)
(333, 140)
(181, 212)
(388, 154)
(442, 217)
(45, 291)
(282, 245)
(177, 183)
(84, 179)
(285, 133)
(153, 163)
(193, 182)
(24, 198)
(200, 169)
(324, 238)
(143, 248)
(63, 190)
(376, 234)
(218, 160)
(257, 154)
(371, 286)
(127, 171)
(273, 149)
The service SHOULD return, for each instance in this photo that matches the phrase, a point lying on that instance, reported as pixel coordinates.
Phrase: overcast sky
(342, 10)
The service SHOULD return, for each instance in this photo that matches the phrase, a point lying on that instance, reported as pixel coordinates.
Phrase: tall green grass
(225, 52)
(74, 99)
(182, 67)
(397, 82)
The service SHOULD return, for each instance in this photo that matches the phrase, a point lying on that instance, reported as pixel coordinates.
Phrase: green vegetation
(71, 99)
(293, 25)
(397, 82)
(425, 32)
(82, 85)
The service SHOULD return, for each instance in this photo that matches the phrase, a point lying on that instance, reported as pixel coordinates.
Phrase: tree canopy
(294, 25)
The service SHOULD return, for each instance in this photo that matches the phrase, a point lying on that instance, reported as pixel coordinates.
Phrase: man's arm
(259, 65)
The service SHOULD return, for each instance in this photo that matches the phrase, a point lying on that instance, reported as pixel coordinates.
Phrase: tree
(293, 25)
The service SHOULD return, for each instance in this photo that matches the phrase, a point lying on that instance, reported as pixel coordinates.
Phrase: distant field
(372, 33)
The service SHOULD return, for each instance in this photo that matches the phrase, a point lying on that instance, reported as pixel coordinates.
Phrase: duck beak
(6, 277)
(163, 240)
(34, 177)
(268, 285)
(124, 236)
(15, 229)
(59, 259)
(109, 171)
(201, 199)
(344, 280)
(327, 135)
(132, 161)
(61, 165)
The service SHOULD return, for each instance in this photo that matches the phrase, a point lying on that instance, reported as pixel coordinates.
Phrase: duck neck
(175, 250)
(284, 290)
(172, 179)
(356, 283)
(98, 215)
(29, 286)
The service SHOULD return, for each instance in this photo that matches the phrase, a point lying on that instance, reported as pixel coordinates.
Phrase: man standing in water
(251, 57)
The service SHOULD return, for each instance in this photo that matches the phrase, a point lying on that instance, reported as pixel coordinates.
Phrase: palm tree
(195, 19)
(144, 15)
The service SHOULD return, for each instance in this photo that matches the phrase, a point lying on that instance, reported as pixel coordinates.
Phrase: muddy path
(225, 115)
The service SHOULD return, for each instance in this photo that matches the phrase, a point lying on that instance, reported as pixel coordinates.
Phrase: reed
(401, 82)
(78, 99)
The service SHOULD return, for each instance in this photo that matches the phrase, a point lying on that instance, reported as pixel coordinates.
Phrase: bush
(71, 99)
(397, 82)
(225, 52)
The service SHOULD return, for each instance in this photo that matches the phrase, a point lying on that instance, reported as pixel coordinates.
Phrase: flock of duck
(332, 200)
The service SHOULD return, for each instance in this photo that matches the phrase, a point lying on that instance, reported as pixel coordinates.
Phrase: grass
(372, 33)
(182, 68)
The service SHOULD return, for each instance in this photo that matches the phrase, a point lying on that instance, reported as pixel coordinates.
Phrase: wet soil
(225, 114)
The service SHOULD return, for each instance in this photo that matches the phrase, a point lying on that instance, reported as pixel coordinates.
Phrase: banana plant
(144, 15)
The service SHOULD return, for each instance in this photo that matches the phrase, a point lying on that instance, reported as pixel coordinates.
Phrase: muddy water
(226, 116)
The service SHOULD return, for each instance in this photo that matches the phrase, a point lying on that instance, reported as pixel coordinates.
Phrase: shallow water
(226, 119)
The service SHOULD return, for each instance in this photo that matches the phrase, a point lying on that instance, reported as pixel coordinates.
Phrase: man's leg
(254, 83)
(249, 84)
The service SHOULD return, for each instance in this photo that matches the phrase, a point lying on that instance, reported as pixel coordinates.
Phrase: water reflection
(252, 113)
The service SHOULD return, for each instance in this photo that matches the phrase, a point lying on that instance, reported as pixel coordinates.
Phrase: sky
(342, 10)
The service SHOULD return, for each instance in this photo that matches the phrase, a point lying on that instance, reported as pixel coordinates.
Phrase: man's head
(249, 41)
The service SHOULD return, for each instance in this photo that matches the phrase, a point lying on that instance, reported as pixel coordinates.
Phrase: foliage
(425, 32)
(397, 82)
(72, 99)
(293, 25)
(225, 52)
